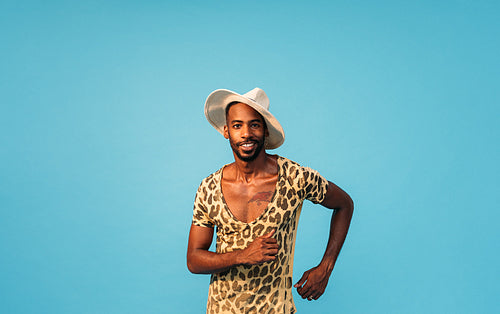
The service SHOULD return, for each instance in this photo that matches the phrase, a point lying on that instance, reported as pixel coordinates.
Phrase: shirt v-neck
(273, 198)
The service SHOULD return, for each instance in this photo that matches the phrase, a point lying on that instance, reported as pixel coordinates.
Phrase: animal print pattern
(265, 288)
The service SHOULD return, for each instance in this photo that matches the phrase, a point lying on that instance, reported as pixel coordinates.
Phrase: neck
(250, 169)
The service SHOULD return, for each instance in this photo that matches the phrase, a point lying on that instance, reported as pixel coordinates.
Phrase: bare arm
(202, 261)
(314, 281)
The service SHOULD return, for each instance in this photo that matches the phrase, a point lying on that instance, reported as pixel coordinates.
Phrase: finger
(305, 291)
(270, 257)
(316, 296)
(313, 297)
(271, 252)
(270, 248)
(269, 240)
(302, 280)
(267, 258)
(270, 245)
(269, 234)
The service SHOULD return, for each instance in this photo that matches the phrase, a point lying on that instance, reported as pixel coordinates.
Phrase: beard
(259, 144)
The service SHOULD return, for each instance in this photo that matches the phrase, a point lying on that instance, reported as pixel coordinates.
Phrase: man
(255, 203)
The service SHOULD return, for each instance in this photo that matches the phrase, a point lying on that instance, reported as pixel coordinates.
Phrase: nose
(245, 131)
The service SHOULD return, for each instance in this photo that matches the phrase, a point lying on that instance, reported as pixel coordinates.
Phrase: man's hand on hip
(313, 283)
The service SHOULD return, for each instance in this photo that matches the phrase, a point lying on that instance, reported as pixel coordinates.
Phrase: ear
(226, 132)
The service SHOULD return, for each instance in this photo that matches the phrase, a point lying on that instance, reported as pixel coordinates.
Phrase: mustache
(248, 142)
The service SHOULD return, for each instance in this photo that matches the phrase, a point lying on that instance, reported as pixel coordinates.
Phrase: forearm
(314, 281)
(200, 261)
(339, 225)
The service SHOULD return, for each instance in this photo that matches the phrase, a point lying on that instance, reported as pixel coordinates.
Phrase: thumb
(269, 234)
(302, 280)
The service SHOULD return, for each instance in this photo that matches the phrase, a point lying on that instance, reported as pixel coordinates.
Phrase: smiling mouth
(248, 145)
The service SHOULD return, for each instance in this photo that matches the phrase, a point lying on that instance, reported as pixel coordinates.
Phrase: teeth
(247, 145)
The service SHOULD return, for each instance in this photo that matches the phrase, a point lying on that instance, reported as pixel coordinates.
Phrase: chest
(247, 202)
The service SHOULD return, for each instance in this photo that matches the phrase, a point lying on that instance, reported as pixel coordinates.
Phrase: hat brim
(215, 112)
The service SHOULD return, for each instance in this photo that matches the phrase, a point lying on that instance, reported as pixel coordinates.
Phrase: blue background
(104, 142)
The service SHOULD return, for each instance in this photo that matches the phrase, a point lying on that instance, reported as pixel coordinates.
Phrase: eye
(237, 125)
(255, 125)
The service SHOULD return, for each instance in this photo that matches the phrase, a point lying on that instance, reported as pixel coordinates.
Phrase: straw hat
(215, 111)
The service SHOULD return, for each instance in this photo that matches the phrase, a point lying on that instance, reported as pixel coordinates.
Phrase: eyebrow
(241, 121)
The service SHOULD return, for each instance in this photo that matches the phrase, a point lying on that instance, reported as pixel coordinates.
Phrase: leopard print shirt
(265, 288)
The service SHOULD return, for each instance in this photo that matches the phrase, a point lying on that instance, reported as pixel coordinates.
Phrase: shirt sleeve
(200, 212)
(314, 186)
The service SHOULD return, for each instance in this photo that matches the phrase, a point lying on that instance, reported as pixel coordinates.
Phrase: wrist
(238, 257)
(327, 265)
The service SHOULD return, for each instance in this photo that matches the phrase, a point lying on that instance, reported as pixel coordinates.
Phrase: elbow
(192, 266)
(350, 205)
(192, 269)
(347, 206)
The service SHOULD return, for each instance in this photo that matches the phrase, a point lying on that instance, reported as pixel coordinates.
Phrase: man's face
(246, 130)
